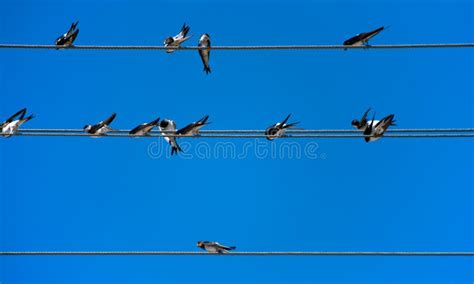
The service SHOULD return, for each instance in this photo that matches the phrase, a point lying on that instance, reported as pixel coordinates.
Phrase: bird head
(87, 128)
(168, 41)
(164, 123)
(355, 123)
(200, 244)
(205, 37)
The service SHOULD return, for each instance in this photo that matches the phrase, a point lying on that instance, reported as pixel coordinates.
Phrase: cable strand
(192, 253)
(254, 47)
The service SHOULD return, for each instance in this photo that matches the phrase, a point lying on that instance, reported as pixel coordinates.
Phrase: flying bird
(214, 247)
(10, 126)
(362, 124)
(67, 39)
(169, 126)
(205, 51)
(363, 38)
(178, 39)
(100, 128)
(278, 129)
(375, 130)
(144, 128)
(193, 128)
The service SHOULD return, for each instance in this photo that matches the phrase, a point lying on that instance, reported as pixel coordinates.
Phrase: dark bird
(362, 124)
(363, 38)
(10, 126)
(144, 128)
(214, 247)
(67, 39)
(193, 128)
(169, 126)
(178, 39)
(375, 130)
(100, 128)
(205, 51)
(278, 129)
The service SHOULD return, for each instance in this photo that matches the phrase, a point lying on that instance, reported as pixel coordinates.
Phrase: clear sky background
(111, 194)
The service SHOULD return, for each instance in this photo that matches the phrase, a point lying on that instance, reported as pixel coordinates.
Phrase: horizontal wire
(422, 130)
(240, 136)
(192, 253)
(255, 47)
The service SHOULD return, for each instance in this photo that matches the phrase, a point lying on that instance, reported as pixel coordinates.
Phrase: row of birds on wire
(172, 42)
(372, 130)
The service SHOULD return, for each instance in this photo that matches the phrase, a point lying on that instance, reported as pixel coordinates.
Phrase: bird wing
(108, 120)
(368, 35)
(204, 119)
(72, 28)
(20, 112)
(188, 128)
(363, 120)
(368, 129)
(138, 128)
(383, 124)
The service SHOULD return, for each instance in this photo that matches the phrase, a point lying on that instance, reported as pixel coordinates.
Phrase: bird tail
(390, 119)
(207, 69)
(185, 30)
(155, 122)
(76, 32)
(204, 119)
(175, 149)
(378, 30)
(29, 117)
(231, 248)
(291, 124)
(286, 119)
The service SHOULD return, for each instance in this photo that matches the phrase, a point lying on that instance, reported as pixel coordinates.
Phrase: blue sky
(110, 194)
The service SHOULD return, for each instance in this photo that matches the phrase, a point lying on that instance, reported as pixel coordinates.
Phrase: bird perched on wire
(362, 124)
(279, 128)
(144, 128)
(169, 126)
(363, 38)
(214, 247)
(205, 51)
(100, 128)
(178, 39)
(67, 39)
(193, 128)
(10, 126)
(376, 128)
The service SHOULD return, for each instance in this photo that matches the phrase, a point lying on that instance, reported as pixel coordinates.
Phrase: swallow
(100, 128)
(144, 128)
(278, 129)
(362, 124)
(178, 39)
(67, 39)
(193, 128)
(10, 126)
(214, 247)
(363, 38)
(375, 130)
(205, 51)
(169, 126)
